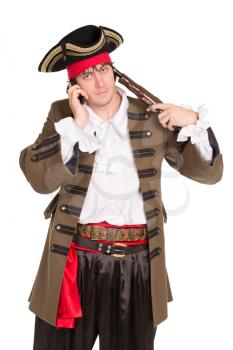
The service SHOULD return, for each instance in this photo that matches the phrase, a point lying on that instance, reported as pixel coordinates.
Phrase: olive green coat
(44, 169)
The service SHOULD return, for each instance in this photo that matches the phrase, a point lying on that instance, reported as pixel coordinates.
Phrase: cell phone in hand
(80, 97)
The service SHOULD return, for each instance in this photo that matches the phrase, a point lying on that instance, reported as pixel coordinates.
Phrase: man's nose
(98, 79)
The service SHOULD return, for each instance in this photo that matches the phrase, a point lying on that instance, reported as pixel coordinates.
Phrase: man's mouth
(102, 92)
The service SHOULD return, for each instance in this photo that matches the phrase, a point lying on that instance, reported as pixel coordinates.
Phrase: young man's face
(99, 84)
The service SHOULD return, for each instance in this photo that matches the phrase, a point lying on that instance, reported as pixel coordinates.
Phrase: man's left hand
(173, 115)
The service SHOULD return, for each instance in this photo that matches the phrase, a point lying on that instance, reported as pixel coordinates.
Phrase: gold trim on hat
(74, 50)
(54, 61)
(113, 36)
(71, 48)
(50, 57)
(86, 49)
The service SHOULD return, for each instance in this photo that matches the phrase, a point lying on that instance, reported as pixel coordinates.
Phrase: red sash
(69, 306)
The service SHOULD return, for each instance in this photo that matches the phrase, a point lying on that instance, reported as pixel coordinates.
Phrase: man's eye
(104, 69)
(86, 75)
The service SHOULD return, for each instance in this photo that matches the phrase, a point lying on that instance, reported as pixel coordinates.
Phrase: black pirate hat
(80, 44)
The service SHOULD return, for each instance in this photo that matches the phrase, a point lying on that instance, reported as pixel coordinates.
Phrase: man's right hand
(79, 111)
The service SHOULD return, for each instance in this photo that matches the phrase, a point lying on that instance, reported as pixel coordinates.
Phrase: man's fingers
(77, 90)
(162, 105)
(73, 87)
(155, 106)
(164, 120)
(162, 114)
(170, 126)
(83, 92)
(152, 108)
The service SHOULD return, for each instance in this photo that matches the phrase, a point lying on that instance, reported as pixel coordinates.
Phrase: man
(103, 268)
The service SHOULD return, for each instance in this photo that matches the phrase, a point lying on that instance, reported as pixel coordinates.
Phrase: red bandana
(76, 68)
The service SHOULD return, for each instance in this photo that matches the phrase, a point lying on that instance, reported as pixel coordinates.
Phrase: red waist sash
(69, 306)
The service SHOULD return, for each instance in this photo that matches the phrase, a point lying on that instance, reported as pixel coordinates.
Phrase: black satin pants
(116, 303)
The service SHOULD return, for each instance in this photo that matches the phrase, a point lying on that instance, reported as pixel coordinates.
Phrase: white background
(181, 51)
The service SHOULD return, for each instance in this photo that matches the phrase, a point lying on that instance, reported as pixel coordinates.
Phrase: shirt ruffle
(197, 132)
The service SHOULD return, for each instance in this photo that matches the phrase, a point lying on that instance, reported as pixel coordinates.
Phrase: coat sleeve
(42, 163)
(187, 160)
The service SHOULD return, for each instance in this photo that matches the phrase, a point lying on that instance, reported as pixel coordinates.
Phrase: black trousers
(116, 302)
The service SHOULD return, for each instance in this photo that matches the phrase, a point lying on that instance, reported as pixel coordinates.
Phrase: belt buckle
(122, 255)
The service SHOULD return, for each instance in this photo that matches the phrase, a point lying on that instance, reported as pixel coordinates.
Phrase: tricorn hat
(80, 44)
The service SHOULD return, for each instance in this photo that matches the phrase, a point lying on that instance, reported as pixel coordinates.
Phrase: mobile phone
(80, 97)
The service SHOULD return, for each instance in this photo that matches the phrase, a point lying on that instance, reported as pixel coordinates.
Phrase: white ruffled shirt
(113, 194)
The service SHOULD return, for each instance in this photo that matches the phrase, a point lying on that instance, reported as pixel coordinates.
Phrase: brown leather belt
(112, 233)
(116, 249)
